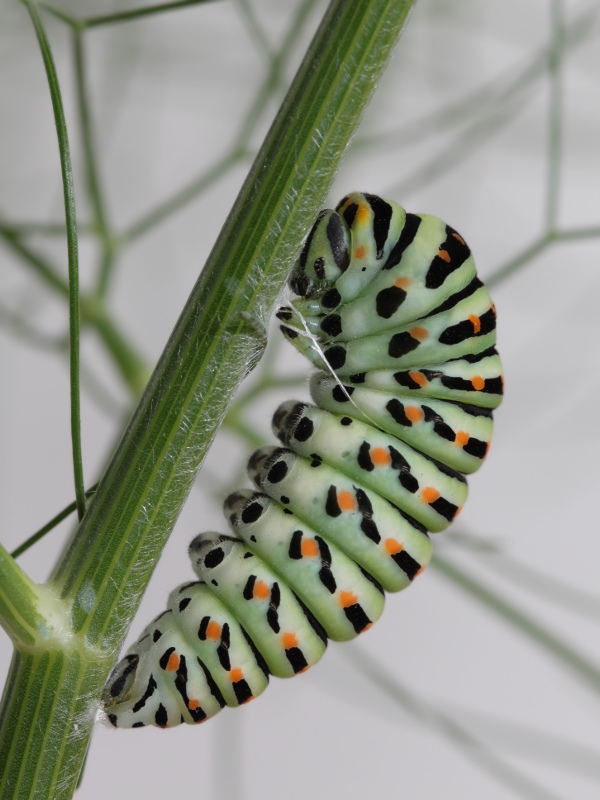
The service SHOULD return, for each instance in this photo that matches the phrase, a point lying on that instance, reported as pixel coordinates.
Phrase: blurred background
(484, 679)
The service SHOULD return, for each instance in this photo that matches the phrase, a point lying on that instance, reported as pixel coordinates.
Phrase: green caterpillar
(391, 312)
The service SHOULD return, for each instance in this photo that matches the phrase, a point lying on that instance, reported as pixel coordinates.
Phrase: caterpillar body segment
(389, 545)
(287, 636)
(457, 435)
(474, 380)
(467, 328)
(328, 582)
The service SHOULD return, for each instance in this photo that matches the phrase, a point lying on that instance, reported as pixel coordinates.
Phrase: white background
(167, 96)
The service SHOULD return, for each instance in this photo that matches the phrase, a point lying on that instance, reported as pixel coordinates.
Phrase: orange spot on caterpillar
(360, 252)
(289, 640)
(261, 590)
(413, 413)
(476, 322)
(172, 663)
(419, 333)
(487, 448)
(380, 457)
(213, 630)
(419, 571)
(393, 547)
(402, 283)
(193, 704)
(347, 599)
(478, 382)
(236, 675)
(346, 500)
(419, 378)
(309, 548)
(458, 510)
(458, 238)
(429, 494)
(445, 256)
(462, 437)
(362, 213)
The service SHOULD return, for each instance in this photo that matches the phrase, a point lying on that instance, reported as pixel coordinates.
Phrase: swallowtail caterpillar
(402, 332)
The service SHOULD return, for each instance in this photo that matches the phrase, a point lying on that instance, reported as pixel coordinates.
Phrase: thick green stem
(51, 688)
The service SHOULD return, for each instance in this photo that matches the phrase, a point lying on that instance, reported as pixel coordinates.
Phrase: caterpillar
(402, 331)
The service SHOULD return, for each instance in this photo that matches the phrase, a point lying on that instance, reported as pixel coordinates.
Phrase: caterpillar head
(324, 257)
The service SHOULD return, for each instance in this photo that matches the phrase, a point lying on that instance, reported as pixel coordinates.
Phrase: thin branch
(255, 30)
(93, 183)
(454, 733)
(72, 249)
(538, 246)
(525, 576)
(56, 520)
(578, 233)
(555, 115)
(121, 16)
(578, 663)
(239, 150)
(489, 96)
(181, 198)
(517, 261)
(21, 328)
(20, 229)
(44, 269)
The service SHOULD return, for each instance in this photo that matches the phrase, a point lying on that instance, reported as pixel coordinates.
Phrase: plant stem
(555, 115)
(44, 269)
(452, 729)
(72, 250)
(536, 632)
(94, 187)
(22, 602)
(50, 525)
(525, 256)
(121, 16)
(239, 149)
